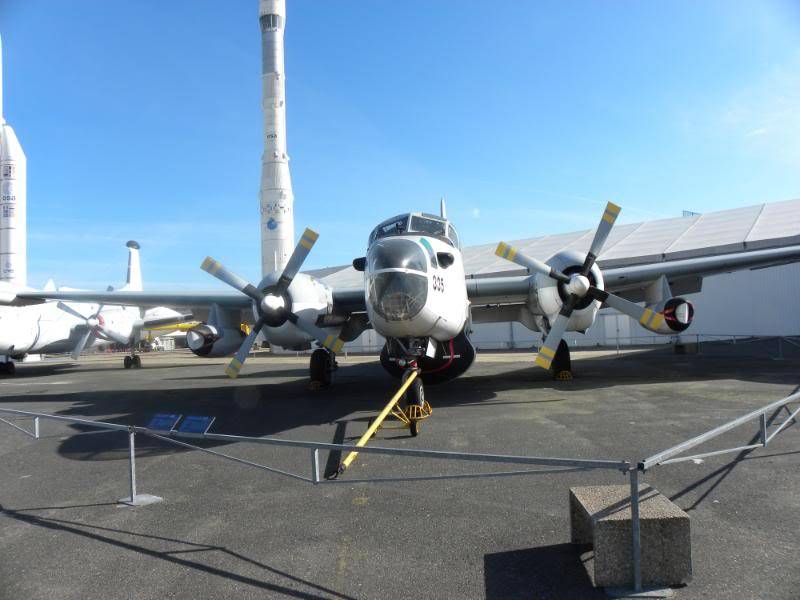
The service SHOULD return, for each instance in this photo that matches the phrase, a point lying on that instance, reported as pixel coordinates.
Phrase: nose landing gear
(414, 412)
(416, 409)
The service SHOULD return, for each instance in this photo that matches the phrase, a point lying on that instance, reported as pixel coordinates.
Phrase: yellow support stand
(387, 410)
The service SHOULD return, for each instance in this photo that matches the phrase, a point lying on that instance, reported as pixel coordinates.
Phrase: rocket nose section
(10, 148)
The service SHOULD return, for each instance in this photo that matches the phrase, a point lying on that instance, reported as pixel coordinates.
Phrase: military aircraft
(59, 327)
(418, 297)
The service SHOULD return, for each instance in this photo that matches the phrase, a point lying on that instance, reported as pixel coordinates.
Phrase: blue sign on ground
(163, 422)
(196, 424)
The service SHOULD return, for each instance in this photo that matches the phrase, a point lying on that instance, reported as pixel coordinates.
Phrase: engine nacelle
(547, 296)
(208, 340)
(668, 317)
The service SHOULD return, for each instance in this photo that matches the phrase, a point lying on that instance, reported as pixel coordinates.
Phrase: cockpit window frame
(448, 235)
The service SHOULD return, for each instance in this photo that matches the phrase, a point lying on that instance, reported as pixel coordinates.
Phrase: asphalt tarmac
(226, 530)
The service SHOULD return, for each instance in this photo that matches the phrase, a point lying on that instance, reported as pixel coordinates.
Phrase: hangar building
(760, 302)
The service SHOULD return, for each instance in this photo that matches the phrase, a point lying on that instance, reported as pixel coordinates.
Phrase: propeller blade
(76, 352)
(214, 268)
(645, 316)
(233, 368)
(298, 257)
(510, 253)
(327, 340)
(548, 350)
(72, 311)
(601, 235)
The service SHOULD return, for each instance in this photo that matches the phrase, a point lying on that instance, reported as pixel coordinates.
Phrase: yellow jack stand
(410, 418)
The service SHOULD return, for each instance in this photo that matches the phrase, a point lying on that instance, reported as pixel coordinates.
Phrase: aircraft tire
(320, 368)
(127, 362)
(137, 362)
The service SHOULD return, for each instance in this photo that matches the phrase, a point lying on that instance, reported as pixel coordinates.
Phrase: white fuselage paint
(45, 328)
(446, 307)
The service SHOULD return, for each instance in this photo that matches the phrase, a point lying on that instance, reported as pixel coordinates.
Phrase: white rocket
(13, 197)
(277, 216)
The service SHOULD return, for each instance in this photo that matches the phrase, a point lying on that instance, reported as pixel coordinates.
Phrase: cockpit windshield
(426, 225)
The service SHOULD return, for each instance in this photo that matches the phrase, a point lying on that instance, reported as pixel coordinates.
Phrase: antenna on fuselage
(442, 208)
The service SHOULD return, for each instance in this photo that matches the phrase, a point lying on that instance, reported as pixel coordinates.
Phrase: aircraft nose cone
(92, 322)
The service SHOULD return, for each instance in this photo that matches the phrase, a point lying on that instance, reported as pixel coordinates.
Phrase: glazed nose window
(397, 254)
(397, 296)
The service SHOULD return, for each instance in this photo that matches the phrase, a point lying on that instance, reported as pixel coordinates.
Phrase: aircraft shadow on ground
(264, 408)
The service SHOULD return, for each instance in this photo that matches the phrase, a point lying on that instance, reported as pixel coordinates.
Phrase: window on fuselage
(396, 227)
(424, 225)
(451, 233)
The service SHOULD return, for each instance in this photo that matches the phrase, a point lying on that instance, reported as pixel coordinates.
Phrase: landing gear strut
(416, 406)
(562, 365)
(323, 364)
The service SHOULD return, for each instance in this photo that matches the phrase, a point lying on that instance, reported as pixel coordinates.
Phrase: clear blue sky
(142, 120)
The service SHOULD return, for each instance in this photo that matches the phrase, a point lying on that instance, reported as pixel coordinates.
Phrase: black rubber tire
(10, 368)
(127, 362)
(415, 394)
(561, 361)
(137, 362)
(414, 428)
(321, 367)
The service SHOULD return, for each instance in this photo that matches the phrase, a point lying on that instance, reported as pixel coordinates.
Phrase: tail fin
(133, 282)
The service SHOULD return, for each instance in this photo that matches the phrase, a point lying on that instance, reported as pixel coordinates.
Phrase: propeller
(273, 304)
(95, 326)
(578, 286)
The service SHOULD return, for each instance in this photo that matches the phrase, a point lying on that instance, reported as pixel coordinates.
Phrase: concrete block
(601, 515)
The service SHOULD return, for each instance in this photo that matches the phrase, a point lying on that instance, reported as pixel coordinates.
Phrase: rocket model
(13, 260)
(277, 217)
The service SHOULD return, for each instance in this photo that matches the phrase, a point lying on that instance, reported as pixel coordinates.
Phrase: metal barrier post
(763, 421)
(635, 531)
(132, 462)
(315, 465)
(780, 348)
(36, 427)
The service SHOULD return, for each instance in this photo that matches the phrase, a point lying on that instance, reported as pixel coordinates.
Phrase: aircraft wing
(144, 299)
(684, 275)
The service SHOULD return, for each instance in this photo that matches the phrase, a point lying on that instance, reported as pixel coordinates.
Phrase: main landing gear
(132, 361)
(562, 365)
(7, 368)
(321, 368)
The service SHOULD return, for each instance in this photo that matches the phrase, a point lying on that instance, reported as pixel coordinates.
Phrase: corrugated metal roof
(772, 225)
